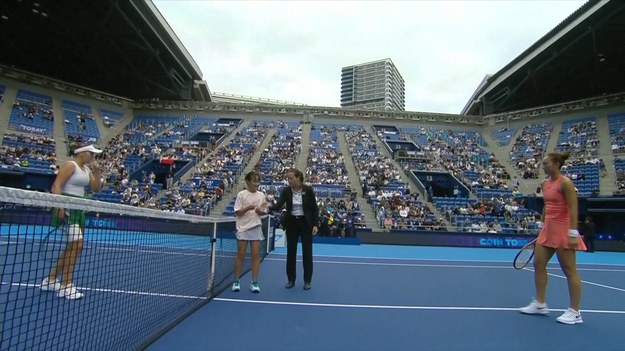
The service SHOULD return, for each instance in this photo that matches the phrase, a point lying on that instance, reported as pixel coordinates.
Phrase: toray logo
(503, 242)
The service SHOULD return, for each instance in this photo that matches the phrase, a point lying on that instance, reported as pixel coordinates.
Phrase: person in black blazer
(589, 234)
(301, 220)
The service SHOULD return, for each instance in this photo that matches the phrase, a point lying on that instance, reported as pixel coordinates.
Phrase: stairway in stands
(404, 178)
(302, 158)
(354, 180)
(502, 154)
(231, 194)
(607, 184)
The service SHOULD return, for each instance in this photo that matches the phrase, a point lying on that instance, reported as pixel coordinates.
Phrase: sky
(294, 50)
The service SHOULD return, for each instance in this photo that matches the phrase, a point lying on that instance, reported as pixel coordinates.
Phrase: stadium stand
(111, 118)
(619, 166)
(227, 164)
(579, 138)
(2, 91)
(339, 212)
(529, 149)
(498, 214)
(32, 113)
(395, 206)
(326, 164)
(463, 154)
(616, 123)
(31, 153)
(504, 135)
(80, 124)
(281, 153)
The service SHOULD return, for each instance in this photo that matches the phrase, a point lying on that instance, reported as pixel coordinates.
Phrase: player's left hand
(573, 242)
(314, 230)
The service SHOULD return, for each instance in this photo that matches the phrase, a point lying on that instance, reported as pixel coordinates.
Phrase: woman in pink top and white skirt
(249, 206)
(559, 235)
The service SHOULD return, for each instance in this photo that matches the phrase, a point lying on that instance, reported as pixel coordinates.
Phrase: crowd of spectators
(461, 153)
(616, 125)
(339, 217)
(493, 215)
(281, 153)
(30, 110)
(21, 150)
(579, 138)
(529, 149)
(326, 164)
(395, 206)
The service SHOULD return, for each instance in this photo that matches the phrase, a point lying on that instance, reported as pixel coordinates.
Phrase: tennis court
(409, 298)
(144, 273)
(136, 282)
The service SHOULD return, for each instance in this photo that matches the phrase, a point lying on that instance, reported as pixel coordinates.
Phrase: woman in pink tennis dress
(559, 235)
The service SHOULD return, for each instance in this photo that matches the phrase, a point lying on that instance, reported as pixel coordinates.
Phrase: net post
(269, 236)
(211, 276)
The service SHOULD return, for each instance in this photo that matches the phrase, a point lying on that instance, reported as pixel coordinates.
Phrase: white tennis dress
(249, 225)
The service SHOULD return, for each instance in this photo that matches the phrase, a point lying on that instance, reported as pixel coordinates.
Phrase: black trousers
(590, 242)
(298, 228)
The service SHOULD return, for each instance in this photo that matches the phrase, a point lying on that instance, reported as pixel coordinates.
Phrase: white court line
(438, 259)
(395, 307)
(356, 263)
(583, 281)
(396, 264)
(117, 291)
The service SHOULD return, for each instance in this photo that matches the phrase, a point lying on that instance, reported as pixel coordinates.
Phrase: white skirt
(251, 234)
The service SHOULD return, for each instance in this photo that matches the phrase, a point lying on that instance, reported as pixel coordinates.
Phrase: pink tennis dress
(555, 232)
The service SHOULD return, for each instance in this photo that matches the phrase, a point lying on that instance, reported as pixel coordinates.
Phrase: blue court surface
(372, 297)
(122, 276)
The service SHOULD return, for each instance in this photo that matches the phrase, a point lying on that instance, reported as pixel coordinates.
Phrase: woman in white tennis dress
(249, 206)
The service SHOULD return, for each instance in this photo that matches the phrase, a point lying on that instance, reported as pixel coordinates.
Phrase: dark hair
(252, 176)
(559, 158)
(297, 173)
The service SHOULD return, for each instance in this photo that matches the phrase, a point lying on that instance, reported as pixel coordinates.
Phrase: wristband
(540, 225)
(574, 233)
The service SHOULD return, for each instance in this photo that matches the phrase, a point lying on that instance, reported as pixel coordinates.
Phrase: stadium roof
(244, 99)
(124, 48)
(582, 57)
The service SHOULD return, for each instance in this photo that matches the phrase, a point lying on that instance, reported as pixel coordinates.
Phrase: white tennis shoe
(70, 292)
(535, 307)
(570, 316)
(47, 285)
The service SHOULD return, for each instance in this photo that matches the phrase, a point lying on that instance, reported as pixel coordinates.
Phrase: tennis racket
(525, 255)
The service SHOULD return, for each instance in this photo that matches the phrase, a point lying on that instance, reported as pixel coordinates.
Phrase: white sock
(541, 304)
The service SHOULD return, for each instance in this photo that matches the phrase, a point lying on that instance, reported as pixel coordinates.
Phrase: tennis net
(141, 271)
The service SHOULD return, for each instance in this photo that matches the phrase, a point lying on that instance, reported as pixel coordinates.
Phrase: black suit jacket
(309, 203)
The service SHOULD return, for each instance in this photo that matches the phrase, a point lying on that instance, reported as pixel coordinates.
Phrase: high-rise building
(374, 85)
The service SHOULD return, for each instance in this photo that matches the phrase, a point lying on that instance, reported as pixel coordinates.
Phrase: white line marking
(583, 281)
(436, 265)
(273, 253)
(396, 264)
(395, 307)
(117, 291)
